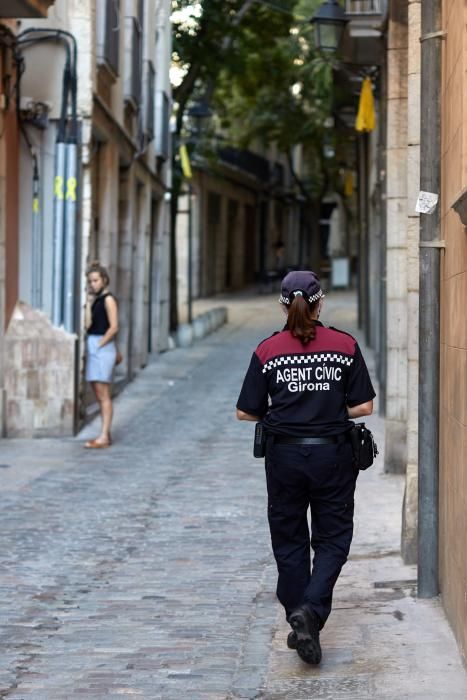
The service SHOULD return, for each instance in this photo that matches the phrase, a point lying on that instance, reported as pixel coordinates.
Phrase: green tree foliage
(257, 62)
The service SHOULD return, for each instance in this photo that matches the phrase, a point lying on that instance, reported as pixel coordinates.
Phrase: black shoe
(306, 626)
(292, 640)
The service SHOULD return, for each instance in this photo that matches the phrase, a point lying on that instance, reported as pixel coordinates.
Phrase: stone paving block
(146, 570)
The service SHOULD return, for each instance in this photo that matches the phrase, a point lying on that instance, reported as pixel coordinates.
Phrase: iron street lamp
(199, 114)
(329, 23)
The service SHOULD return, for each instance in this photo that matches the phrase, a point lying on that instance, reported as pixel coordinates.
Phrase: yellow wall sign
(71, 185)
(58, 187)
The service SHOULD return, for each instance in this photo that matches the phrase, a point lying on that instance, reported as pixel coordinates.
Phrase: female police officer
(316, 380)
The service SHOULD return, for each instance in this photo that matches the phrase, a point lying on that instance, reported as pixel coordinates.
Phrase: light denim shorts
(100, 362)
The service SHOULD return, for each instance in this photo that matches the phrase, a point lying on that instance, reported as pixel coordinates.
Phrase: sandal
(94, 445)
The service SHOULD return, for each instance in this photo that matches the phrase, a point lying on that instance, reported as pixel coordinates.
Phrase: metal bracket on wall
(433, 35)
(432, 244)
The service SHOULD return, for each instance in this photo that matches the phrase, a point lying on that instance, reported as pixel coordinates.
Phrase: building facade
(248, 225)
(407, 153)
(9, 172)
(453, 355)
(94, 168)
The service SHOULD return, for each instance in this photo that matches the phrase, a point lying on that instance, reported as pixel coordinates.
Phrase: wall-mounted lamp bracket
(433, 35)
(432, 244)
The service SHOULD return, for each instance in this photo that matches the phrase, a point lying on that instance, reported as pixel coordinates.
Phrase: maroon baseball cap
(301, 282)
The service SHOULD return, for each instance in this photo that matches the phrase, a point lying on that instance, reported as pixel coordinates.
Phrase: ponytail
(300, 321)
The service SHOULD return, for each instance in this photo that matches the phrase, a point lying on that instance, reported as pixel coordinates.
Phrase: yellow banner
(348, 184)
(366, 119)
(185, 160)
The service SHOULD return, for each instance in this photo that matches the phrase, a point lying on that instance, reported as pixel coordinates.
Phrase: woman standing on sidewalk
(101, 357)
(316, 380)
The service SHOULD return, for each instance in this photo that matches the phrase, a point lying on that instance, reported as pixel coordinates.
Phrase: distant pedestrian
(101, 349)
(279, 254)
(304, 384)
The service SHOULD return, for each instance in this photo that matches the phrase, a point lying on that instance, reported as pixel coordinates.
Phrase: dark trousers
(321, 477)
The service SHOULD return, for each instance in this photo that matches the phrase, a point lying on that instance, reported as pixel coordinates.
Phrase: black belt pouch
(259, 445)
(364, 447)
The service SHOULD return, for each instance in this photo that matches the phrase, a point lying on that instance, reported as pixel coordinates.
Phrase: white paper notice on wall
(426, 202)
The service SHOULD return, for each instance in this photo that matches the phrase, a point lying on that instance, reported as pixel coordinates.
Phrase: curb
(203, 325)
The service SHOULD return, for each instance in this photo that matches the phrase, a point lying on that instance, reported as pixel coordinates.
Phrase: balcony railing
(247, 161)
(108, 34)
(365, 7)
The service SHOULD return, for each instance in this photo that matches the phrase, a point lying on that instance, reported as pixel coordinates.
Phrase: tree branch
(183, 92)
(296, 178)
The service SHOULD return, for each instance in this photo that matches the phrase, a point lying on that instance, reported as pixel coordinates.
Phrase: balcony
(366, 17)
(362, 42)
(249, 162)
(108, 35)
(22, 9)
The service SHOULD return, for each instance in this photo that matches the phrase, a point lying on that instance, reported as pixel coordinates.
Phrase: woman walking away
(305, 384)
(102, 327)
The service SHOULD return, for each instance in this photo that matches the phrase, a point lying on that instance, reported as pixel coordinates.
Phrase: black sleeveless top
(100, 322)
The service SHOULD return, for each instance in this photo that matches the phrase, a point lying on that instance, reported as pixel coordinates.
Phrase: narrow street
(146, 570)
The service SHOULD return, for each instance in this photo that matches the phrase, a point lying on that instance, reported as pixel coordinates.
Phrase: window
(133, 52)
(108, 34)
(162, 125)
(149, 97)
(363, 7)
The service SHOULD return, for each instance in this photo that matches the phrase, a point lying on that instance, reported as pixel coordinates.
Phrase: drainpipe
(70, 291)
(428, 395)
(37, 242)
(58, 242)
(70, 257)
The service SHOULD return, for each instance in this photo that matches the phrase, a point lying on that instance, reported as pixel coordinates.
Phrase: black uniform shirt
(309, 386)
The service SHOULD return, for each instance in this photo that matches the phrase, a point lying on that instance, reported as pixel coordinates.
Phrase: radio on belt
(259, 445)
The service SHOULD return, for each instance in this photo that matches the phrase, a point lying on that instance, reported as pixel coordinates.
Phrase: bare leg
(95, 390)
(96, 387)
(106, 411)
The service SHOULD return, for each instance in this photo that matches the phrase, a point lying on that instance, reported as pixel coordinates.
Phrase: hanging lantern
(329, 23)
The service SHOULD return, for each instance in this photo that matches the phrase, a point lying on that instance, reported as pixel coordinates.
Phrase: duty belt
(331, 440)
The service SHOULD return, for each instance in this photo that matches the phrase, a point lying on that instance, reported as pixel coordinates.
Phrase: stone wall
(396, 239)
(39, 380)
(409, 516)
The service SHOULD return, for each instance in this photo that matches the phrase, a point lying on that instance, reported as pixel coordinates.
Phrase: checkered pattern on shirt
(307, 359)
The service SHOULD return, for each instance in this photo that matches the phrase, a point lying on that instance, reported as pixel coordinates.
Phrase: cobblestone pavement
(145, 570)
